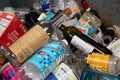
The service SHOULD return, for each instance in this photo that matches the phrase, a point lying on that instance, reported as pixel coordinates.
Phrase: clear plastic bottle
(69, 69)
(57, 5)
(57, 19)
(104, 63)
(75, 64)
(38, 35)
(44, 61)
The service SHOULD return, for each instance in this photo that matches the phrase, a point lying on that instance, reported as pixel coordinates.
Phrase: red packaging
(11, 28)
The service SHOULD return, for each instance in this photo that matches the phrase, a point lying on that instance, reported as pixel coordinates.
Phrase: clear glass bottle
(86, 6)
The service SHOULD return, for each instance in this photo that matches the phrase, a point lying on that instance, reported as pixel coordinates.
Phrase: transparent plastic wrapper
(74, 6)
(57, 5)
(114, 46)
(63, 4)
(21, 12)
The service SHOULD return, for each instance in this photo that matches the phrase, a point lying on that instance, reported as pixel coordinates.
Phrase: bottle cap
(85, 5)
(68, 11)
(65, 41)
(36, 5)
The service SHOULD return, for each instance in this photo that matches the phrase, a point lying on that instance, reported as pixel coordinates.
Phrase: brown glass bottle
(82, 41)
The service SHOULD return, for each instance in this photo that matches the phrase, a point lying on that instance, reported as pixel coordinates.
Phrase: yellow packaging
(31, 41)
(98, 61)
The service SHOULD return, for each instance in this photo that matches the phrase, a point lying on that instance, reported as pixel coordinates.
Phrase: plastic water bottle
(44, 61)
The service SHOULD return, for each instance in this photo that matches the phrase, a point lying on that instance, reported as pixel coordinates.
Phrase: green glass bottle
(82, 41)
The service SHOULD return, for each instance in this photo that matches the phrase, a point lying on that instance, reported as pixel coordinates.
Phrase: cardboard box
(11, 28)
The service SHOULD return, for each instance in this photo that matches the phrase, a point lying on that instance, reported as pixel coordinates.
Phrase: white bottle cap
(65, 41)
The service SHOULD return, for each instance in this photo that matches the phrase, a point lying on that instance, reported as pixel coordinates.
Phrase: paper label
(82, 45)
(85, 26)
(26, 45)
(115, 48)
(98, 62)
(63, 72)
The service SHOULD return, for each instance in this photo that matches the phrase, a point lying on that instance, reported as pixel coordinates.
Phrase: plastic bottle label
(85, 26)
(29, 43)
(49, 16)
(63, 72)
(98, 62)
(82, 45)
(47, 58)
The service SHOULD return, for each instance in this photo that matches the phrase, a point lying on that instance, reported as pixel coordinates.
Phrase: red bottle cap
(85, 4)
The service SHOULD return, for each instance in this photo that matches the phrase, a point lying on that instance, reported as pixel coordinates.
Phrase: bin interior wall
(109, 10)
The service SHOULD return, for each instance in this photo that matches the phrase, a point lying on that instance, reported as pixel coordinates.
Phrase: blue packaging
(49, 16)
(46, 5)
(51, 77)
(47, 58)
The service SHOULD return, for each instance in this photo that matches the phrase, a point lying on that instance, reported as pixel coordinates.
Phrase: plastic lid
(65, 41)
(85, 4)
(36, 5)
(68, 11)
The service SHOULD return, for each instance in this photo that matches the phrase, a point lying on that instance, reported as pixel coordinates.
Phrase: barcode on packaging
(47, 72)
